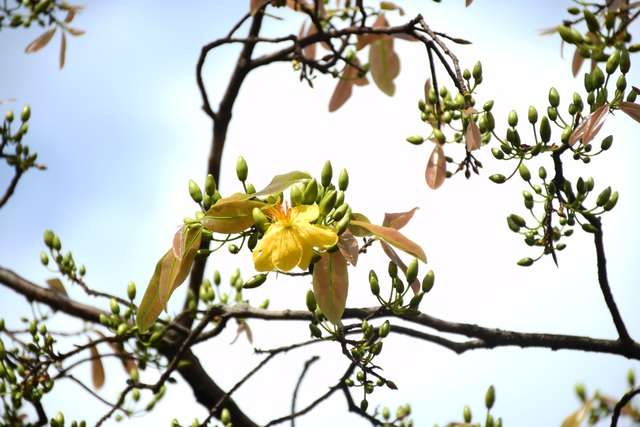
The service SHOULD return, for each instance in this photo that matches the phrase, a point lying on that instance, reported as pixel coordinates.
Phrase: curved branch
(622, 403)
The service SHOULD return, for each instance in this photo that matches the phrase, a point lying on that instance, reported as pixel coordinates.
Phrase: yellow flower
(290, 239)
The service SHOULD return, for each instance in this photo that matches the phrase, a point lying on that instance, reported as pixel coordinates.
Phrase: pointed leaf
(468, 3)
(398, 220)
(231, 216)
(577, 62)
(590, 126)
(359, 231)
(97, 370)
(385, 64)
(343, 90)
(70, 15)
(575, 419)
(75, 32)
(473, 136)
(175, 271)
(128, 362)
(393, 256)
(41, 41)
(631, 109)
(279, 183)
(395, 238)
(310, 50)
(179, 242)
(254, 6)
(436, 171)
(57, 286)
(150, 307)
(63, 50)
(366, 39)
(348, 246)
(331, 285)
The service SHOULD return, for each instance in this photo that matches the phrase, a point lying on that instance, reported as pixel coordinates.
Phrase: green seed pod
(310, 192)
(261, 221)
(524, 172)
(591, 20)
(115, 308)
(311, 301)
(589, 228)
(512, 119)
(512, 225)
(477, 71)
(327, 174)
(295, 195)
(624, 61)
(439, 136)
(613, 62)
(490, 397)
(343, 180)
(412, 271)
(612, 201)
(532, 115)
(26, 113)
(225, 416)
(497, 178)
(597, 78)
(497, 153)
(545, 129)
(466, 414)
(603, 197)
(328, 202)
(131, 290)
(525, 262)
(428, 281)
(242, 170)
(415, 139)
(315, 331)
(255, 281)
(210, 186)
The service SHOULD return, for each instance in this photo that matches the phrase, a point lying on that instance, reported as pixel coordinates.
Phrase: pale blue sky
(121, 132)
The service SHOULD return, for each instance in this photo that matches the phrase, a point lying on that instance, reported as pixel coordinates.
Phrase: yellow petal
(305, 213)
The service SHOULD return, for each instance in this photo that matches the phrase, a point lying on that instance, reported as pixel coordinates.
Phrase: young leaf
(174, 270)
(63, 50)
(57, 286)
(348, 245)
(331, 285)
(280, 183)
(254, 6)
(398, 220)
(473, 136)
(393, 256)
(41, 41)
(436, 171)
(97, 370)
(231, 216)
(575, 419)
(359, 231)
(590, 126)
(631, 109)
(75, 32)
(395, 238)
(310, 50)
(150, 307)
(385, 64)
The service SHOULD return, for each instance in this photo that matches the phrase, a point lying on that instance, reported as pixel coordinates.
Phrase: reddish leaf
(63, 50)
(41, 41)
(590, 126)
(75, 32)
(57, 286)
(179, 242)
(577, 62)
(128, 362)
(279, 183)
(6, 101)
(174, 270)
(436, 171)
(255, 5)
(70, 15)
(631, 109)
(385, 64)
(359, 231)
(395, 238)
(468, 3)
(348, 246)
(367, 39)
(150, 306)
(473, 136)
(243, 327)
(393, 256)
(97, 370)
(575, 419)
(231, 215)
(398, 220)
(331, 285)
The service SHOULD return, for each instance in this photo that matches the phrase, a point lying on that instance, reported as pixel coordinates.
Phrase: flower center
(282, 213)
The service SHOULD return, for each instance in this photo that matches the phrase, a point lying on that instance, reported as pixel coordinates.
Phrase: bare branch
(622, 403)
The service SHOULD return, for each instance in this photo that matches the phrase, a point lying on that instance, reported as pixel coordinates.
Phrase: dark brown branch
(622, 403)
(12, 186)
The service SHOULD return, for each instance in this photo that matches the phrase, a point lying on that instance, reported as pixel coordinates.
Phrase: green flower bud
(422, 105)
(234, 249)
(26, 113)
(466, 414)
(343, 180)
(612, 62)
(524, 172)
(311, 301)
(384, 329)
(195, 192)
(512, 119)
(393, 270)
(242, 170)
(48, 238)
(327, 174)
(497, 178)
(415, 139)
(328, 202)
(342, 225)
(603, 197)
(439, 136)
(428, 281)
(340, 212)
(580, 391)
(225, 416)
(612, 201)
(122, 329)
(566, 133)
(57, 245)
(621, 83)
(631, 378)
(364, 404)
(565, 33)
(131, 290)
(477, 71)
(104, 320)
(373, 283)
(315, 331)
(589, 228)
(255, 281)
(412, 271)
(597, 78)
(9, 116)
(525, 262)
(497, 153)
(310, 192)
(261, 221)
(490, 397)
(554, 97)
(592, 22)
(115, 308)
(44, 259)
(518, 220)
(512, 225)
(624, 61)
(210, 186)
(542, 173)
(295, 195)
(552, 113)
(532, 115)
(488, 105)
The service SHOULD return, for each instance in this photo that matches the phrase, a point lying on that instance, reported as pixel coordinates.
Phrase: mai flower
(290, 239)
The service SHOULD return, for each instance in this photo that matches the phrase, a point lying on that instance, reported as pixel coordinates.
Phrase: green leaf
(398, 220)
(359, 231)
(282, 182)
(150, 307)
(174, 270)
(395, 238)
(385, 64)
(231, 215)
(575, 419)
(331, 285)
(57, 286)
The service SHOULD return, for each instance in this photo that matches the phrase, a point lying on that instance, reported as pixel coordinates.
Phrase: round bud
(439, 136)
(210, 186)
(311, 301)
(597, 78)
(26, 113)
(524, 172)
(315, 331)
(498, 178)
(310, 192)
(242, 170)
(415, 139)
(624, 62)
(532, 115)
(225, 416)
(195, 192)
(328, 202)
(603, 197)
(343, 180)
(261, 221)
(512, 119)
(412, 271)
(393, 269)
(9, 116)
(327, 174)
(115, 308)
(545, 129)
(525, 262)
(428, 281)
(131, 290)
(490, 397)
(613, 62)
(477, 71)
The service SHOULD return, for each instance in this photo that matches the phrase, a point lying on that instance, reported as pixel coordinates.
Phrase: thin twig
(617, 410)
(307, 364)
